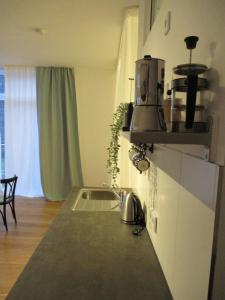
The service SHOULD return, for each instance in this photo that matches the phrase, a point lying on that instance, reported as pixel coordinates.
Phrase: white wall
(95, 90)
(181, 189)
(126, 69)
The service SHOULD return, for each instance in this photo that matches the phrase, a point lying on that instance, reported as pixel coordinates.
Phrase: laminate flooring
(34, 215)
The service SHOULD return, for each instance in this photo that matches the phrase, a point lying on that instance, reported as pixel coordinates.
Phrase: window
(2, 123)
(19, 132)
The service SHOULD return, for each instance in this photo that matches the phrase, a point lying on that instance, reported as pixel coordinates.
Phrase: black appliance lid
(148, 58)
(180, 84)
(190, 69)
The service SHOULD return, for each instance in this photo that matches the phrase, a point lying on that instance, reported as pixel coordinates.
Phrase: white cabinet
(184, 202)
(193, 248)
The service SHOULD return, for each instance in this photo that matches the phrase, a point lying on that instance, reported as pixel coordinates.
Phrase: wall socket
(153, 221)
(206, 153)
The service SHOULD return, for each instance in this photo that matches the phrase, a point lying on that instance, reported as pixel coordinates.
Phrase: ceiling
(78, 32)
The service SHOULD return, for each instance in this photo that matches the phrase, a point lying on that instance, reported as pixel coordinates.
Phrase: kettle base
(147, 118)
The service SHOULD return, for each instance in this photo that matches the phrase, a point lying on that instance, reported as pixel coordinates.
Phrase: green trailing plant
(113, 149)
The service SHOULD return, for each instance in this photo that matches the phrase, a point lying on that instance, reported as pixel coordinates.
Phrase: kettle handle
(138, 212)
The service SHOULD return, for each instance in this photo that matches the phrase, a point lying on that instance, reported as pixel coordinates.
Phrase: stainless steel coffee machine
(149, 89)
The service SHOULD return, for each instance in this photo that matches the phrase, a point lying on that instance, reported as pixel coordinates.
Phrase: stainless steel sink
(98, 195)
(97, 200)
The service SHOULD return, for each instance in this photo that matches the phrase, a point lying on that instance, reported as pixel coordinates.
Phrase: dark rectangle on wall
(2, 84)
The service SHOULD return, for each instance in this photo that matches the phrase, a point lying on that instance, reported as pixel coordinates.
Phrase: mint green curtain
(58, 131)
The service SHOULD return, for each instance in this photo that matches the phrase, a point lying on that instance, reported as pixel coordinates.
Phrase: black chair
(8, 197)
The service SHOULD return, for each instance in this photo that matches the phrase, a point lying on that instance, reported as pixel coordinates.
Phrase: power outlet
(206, 154)
(153, 221)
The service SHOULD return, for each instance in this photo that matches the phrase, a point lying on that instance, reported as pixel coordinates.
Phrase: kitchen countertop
(91, 255)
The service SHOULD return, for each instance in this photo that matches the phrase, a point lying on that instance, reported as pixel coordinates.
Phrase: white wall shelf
(209, 139)
(161, 137)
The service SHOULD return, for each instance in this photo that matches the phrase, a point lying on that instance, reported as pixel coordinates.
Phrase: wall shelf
(153, 137)
(207, 139)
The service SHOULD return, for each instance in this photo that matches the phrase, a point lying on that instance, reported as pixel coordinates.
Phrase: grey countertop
(91, 255)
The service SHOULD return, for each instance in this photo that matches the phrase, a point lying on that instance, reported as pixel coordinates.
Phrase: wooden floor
(16, 247)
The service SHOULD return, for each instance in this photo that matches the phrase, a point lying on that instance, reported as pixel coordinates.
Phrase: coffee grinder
(149, 89)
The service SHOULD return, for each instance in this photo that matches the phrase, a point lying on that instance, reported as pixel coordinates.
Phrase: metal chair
(8, 197)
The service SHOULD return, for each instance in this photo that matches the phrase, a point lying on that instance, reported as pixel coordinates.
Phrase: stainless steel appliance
(191, 84)
(149, 89)
(131, 210)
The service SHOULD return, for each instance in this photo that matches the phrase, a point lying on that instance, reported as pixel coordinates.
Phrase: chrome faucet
(120, 193)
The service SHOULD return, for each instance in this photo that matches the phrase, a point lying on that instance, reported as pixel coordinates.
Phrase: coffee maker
(188, 117)
(149, 88)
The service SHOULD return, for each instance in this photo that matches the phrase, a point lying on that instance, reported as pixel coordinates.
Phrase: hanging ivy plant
(113, 149)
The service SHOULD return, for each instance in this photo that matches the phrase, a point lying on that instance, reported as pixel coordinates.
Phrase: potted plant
(113, 149)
